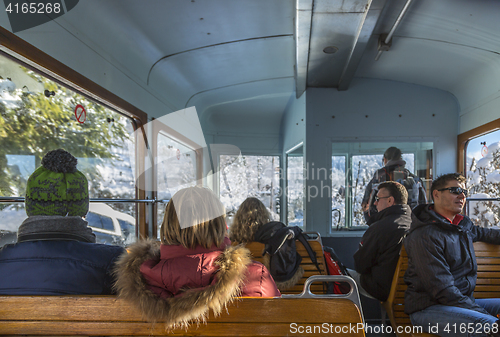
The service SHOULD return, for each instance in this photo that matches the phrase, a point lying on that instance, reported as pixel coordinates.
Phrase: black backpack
(280, 245)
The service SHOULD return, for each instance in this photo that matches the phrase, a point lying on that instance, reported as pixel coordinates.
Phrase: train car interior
(290, 101)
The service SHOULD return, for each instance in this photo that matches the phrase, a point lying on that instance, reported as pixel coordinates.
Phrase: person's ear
(435, 195)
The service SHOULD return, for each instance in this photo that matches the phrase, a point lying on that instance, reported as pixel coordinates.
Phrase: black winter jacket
(378, 251)
(442, 266)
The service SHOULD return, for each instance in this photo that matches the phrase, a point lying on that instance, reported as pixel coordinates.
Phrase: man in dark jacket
(442, 267)
(378, 252)
(56, 253)
(394, 170)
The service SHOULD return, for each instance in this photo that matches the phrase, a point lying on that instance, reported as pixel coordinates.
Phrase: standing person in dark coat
(394, 170)
(56, 253)
(442, 268)
(378, 252)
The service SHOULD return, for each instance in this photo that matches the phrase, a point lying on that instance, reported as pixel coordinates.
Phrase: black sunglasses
(378, 198)
(456, 190)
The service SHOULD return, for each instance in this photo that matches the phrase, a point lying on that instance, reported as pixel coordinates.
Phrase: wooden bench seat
(310, 269)
(293, 315)
(487, 285)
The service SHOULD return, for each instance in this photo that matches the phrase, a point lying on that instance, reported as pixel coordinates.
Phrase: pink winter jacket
(175, 285)
(181, 268)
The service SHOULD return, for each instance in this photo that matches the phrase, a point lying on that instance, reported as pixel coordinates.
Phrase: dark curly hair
(250, 216)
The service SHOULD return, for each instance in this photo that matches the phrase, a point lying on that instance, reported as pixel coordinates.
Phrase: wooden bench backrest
(111, 316)
(488, 270)
(487, 285)
(310, 269)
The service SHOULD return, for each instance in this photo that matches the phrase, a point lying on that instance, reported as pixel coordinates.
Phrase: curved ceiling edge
(448, 42)
(213, 45)
(234, 85)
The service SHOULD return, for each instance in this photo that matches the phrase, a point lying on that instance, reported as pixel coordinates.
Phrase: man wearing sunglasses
(442, 269)
(378, 252)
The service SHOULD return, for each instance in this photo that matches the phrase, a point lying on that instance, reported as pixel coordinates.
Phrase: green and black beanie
(57, 187)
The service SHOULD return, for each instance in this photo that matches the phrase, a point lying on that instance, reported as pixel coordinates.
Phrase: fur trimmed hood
(192, 304)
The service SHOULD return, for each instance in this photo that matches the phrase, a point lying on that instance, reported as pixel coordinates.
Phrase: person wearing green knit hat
(57, 187)
(56, 253)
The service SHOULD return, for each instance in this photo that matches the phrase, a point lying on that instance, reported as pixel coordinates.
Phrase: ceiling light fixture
(330, 50)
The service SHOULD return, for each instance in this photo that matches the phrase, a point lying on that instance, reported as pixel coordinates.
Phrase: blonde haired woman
(194, 269)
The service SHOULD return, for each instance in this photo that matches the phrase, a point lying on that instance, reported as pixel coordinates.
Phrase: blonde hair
(194, 217)
(251, 215)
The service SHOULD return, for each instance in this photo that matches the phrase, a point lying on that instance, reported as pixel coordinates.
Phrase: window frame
(462, 141)
(165, 131)
(464, 138)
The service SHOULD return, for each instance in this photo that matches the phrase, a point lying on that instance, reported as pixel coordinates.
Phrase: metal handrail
(468, 200)
(352, 295)
(146, 201)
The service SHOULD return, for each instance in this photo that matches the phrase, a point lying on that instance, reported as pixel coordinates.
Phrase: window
(12, 216)
(338, 191)
(107, 223)
(100, 221)
(483, 179)
(295, 187)
(353, 166)
(176, 169)
(128, 228)
(94, 220)
(38, 115)
(241, 177)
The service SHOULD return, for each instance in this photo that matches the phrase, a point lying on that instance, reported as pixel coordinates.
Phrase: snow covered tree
(483, 181)
(32, 124)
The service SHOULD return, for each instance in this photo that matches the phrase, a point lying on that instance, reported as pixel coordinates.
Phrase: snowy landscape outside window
(37, 115)
(338, 192)
(295, 190)
(241, 177)
(483, 179)
(176, 169)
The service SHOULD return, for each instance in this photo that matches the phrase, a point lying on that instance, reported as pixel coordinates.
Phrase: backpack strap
(312, 254)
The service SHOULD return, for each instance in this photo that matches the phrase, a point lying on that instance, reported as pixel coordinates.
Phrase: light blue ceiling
(231, 56)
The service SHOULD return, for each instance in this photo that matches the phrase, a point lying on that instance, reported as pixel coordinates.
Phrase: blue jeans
(444, 320)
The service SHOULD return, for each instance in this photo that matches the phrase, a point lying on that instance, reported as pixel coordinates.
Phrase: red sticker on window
(80, 114)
